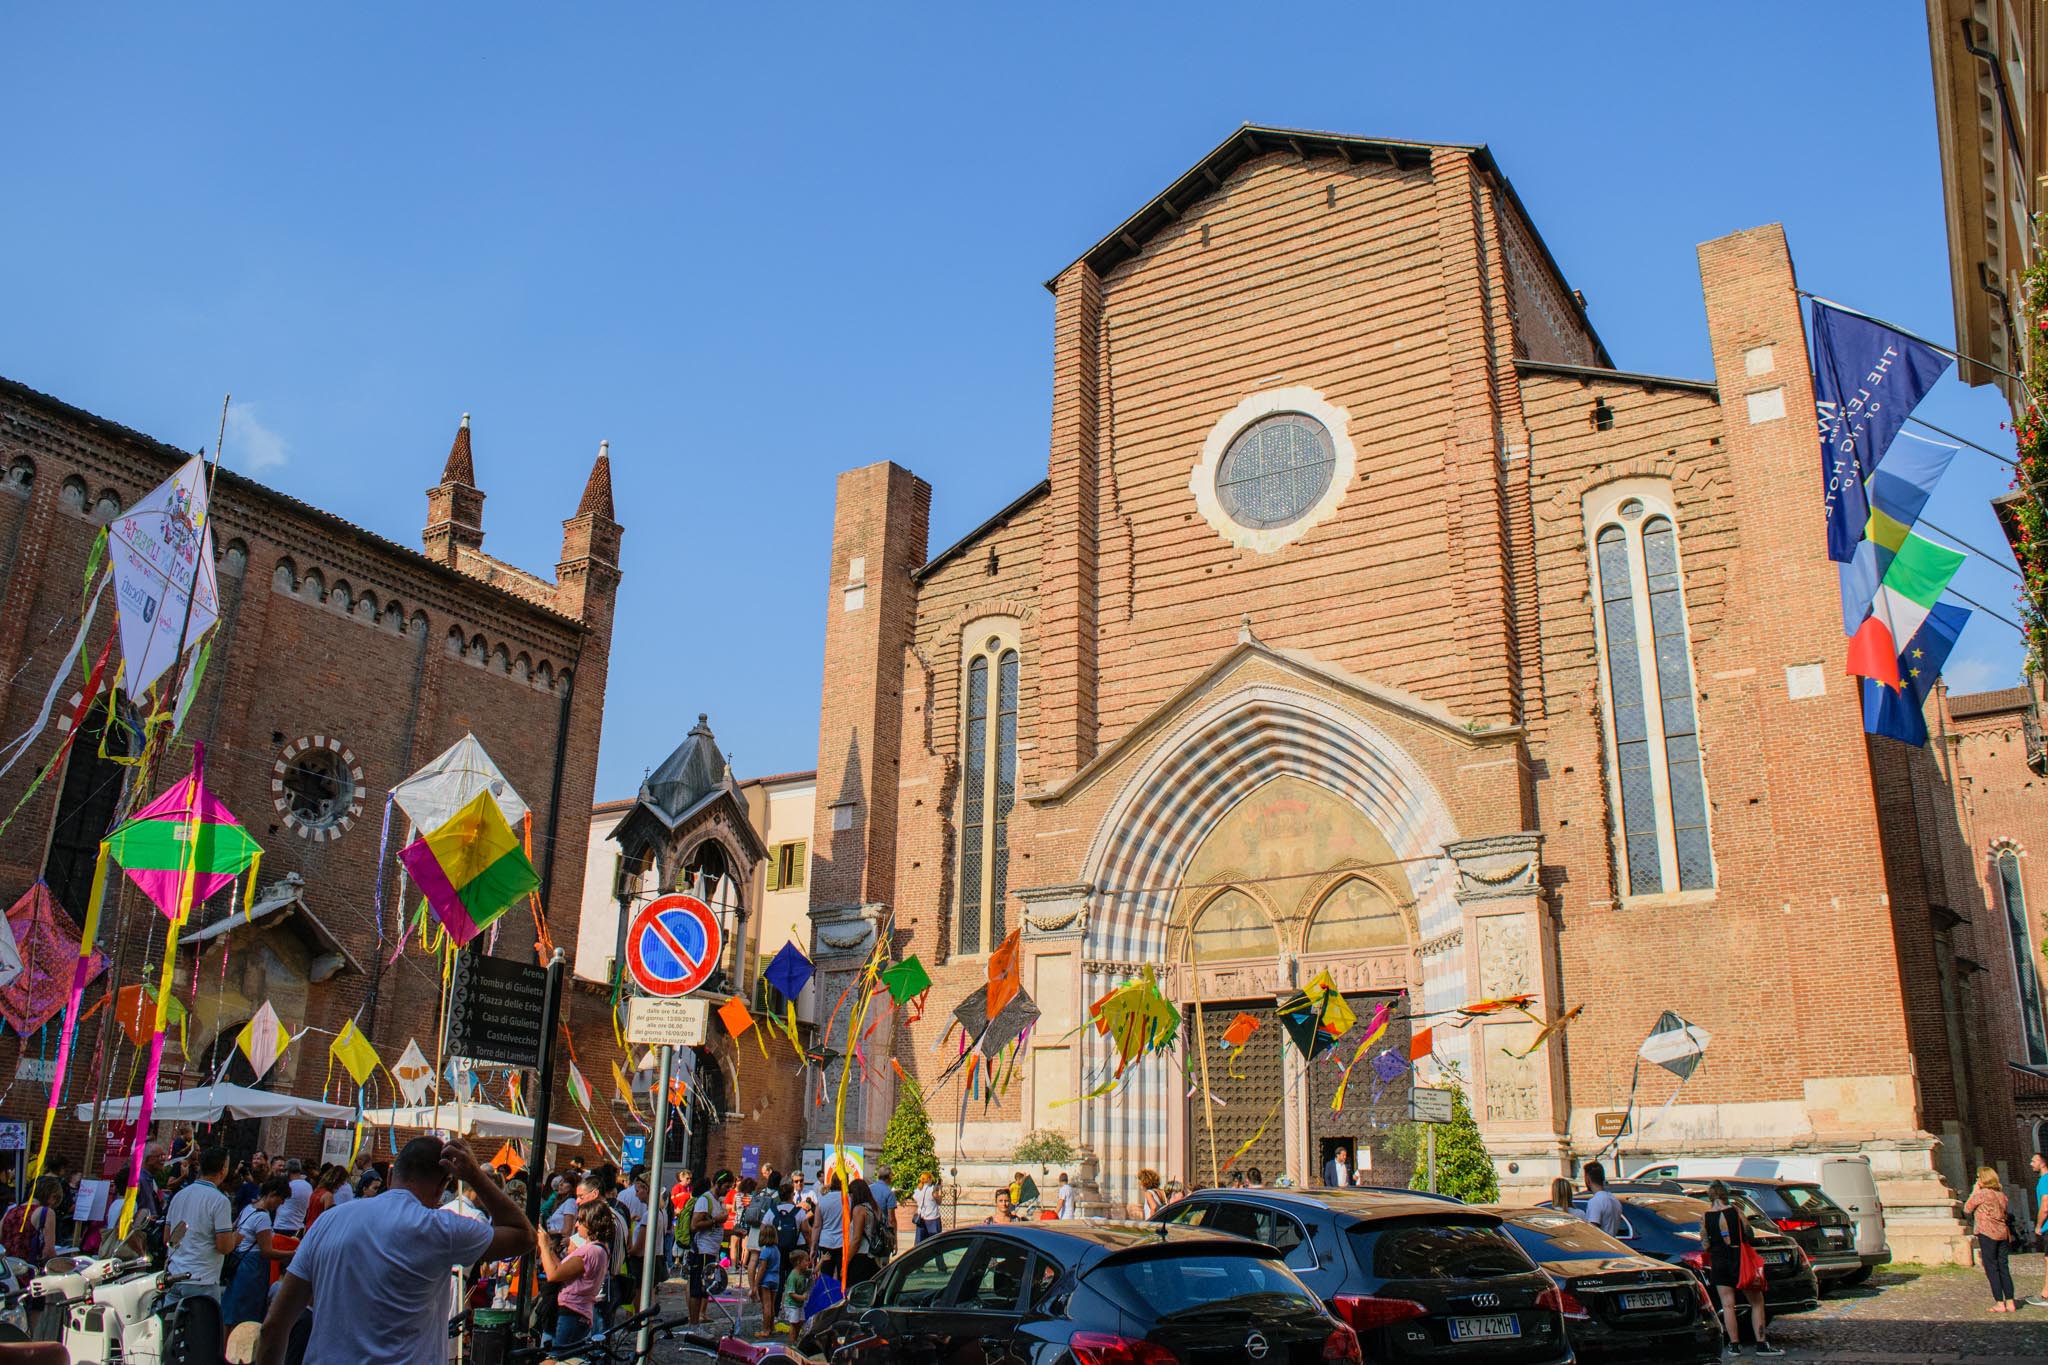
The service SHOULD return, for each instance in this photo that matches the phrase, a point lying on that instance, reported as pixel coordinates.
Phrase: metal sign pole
(1429, 1145)
(536, 1161)
(655, 1193)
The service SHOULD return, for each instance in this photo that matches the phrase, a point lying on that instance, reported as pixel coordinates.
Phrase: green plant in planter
(907, 1148)
(1044, 1149)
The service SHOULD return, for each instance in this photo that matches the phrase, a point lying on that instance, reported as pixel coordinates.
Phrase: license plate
(1484, 1329)
(1837, 1236)
(1777, 1258)
(1660, 1299)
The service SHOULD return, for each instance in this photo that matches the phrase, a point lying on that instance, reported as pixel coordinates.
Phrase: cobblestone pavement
(1912, 1315)
(1905, 1316)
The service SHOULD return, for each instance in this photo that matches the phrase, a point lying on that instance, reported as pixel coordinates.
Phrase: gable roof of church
(1128, 238)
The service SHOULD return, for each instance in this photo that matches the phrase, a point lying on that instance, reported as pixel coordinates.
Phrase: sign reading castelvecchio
(494, 1013)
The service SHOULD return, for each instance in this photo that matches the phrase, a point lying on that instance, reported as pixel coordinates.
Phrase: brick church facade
(342, 662)
(1370, 620)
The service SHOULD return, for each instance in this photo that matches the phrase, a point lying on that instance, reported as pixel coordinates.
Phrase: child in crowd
(767, 1264)
(796, 1287)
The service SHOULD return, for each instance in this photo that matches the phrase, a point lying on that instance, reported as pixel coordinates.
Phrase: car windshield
(1672, 1208)
(1197, 1282)
(1561, 1237)
(1436, 1250)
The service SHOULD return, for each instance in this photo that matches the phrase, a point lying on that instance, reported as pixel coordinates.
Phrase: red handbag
(1749, 1272)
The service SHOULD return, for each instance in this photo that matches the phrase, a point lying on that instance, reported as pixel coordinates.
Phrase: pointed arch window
(1231, 926)
(990, 686)
(2012, 894)
(1658, 783)
(1356, 916)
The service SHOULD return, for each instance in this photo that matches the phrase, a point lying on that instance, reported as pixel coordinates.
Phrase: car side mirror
(861, 1295)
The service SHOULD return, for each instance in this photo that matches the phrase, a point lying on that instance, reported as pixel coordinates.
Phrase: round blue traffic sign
(673, 946)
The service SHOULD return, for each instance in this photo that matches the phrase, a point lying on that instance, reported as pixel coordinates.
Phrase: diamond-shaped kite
(736, 1017)
(432, 796)
(1136, 1017)
(1675, 1045)
(990, 1036)
(1389, 1065)
(906, 980)
(1241, 1029)
(1317, 1016)
(790, 971)
(160, 552)
(1005, 977)
(414, 1073)
(471, 868)
(354, 1052)
(263, 1039)
(48, 944)
(157, 846)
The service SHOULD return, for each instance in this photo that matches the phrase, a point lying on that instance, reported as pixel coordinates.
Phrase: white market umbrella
(206, 1103)
(476, 1120)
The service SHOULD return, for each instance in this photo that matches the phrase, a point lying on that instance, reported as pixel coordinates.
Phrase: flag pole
(1949, 351)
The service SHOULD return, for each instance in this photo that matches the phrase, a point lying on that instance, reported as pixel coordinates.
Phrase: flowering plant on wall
(2030, 437)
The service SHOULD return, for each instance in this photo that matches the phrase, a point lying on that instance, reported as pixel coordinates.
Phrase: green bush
(907, 1149)
(1463, 1169)
(1044, 1149)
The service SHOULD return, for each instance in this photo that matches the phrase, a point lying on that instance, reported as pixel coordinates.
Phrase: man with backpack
(707, 1235)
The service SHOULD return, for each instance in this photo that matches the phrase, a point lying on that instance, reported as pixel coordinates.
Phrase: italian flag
(1919, 573)
(579, 1088)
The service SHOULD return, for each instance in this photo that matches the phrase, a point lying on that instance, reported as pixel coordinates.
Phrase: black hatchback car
(1082, 1292)
(1620, 1307)
(1420, 1279)
(1799, 1209)
(1663, 1222)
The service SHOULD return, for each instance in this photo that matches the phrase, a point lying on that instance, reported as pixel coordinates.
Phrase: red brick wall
(286, 665)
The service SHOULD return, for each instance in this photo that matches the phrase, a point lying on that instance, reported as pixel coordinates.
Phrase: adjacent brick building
(1370, 620)
(342, 662)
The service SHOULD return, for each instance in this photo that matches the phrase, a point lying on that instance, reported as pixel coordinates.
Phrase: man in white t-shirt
(1066, 1197)
(376, 1270)
(201, 1224)
(291, 1219)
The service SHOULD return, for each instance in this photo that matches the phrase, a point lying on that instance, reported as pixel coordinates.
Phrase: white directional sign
(659, 1021)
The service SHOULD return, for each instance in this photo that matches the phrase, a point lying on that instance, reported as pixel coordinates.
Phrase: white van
(1845, 1179)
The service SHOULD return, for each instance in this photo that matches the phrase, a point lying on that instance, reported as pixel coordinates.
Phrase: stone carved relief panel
(1514, 1085)
(1505, 966)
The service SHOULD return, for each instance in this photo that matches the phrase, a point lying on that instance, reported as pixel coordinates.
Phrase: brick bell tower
(455, 506)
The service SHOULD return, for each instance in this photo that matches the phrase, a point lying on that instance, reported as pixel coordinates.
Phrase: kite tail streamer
(1253, 1140)
(79, 974)
(383, 859)
(187, 885)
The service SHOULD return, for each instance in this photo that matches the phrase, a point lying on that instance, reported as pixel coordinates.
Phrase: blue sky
(753, 246)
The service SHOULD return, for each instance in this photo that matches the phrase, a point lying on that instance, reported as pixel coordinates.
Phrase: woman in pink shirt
(580, 1271)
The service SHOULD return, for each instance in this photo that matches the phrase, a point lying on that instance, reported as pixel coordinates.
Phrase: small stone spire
(460, 467)
(597, 491)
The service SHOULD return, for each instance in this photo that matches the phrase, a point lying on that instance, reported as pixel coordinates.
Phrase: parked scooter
(110, 1309)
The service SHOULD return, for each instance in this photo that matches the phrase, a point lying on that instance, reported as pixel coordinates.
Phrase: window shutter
(797, 849)
(775, 868)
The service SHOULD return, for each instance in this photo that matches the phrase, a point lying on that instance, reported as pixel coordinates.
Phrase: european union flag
(1867, 379)
(1898, 714)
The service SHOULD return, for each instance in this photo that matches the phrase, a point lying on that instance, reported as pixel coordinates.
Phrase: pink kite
(48, 943)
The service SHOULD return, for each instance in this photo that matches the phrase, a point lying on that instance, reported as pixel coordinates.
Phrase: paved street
(1910, 1316)
(1914, 1315)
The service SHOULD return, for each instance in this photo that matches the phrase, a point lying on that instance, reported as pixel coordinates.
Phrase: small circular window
(1276, 470)
(317, 786)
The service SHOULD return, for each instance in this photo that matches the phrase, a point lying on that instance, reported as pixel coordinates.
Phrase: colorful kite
(354, 1052)
(161, 554)
(48, 952)
(1373, 1030)
(736, 1016)
(1389, 1066)
(414, 1073)
(906, 980)
(1005, 978)
(1137, 1018)
(1316, 1016)
(135, 1006)
(185, 829)
(1421, 1045)
(1240, 1031)
(579, 1089)
(471, 868)
(438, 792)
(790, 971)
(263, 1040)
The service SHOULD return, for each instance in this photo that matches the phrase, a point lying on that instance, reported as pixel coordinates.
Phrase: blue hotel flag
(1867, 379)
(1898, 714)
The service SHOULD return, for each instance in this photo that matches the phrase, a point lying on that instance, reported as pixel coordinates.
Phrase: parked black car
(1800, 1210)
(1660, 1221)
(1620, 1307)
(1420, 1279)
(1083, 1293)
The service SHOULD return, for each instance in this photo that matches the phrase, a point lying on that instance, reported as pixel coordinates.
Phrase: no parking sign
(673, 945)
